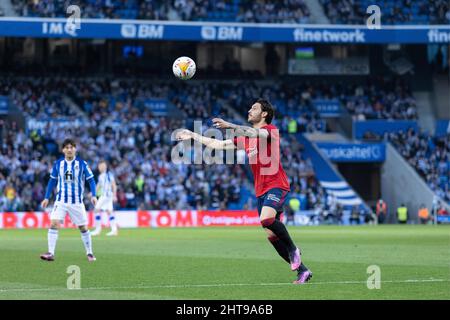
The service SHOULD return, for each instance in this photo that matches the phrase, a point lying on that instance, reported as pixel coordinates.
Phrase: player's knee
(273, 238)
(267, 222)
(270, 235)
(54, 225)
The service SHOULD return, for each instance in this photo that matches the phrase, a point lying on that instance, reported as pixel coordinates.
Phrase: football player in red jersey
(261, 142)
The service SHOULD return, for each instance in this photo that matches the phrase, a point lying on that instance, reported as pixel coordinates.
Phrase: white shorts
(77, 213)
(104, 204)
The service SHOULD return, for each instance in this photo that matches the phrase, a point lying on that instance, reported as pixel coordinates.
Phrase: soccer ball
(184, 68)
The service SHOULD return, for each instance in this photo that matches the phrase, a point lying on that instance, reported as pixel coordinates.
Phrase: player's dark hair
(266, 106)
(69, 141)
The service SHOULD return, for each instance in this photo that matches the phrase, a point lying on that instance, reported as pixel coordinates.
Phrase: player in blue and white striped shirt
(69, 174)
(107, 189)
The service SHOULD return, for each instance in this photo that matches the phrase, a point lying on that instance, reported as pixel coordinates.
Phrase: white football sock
(87, 241)
(112, 222)
(98, 221)
(52, 237)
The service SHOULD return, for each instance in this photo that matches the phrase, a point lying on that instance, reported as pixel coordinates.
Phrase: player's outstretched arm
(209, 142)
(93, 189)
(48, 192)
(240, 131)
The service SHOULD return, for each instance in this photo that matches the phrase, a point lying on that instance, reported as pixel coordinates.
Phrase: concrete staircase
(326, 137)
(317, 14)
(68, 101)
(441, 96)
(15, 114)
(425, 110)
(7, 8)
(400, 183)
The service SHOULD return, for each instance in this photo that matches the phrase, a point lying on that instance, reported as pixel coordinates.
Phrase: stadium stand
(38, 98)
(107, 103)
(115, 130)
(268, 11)
(288, 11)
(429, 155)
(294, 11)
(137, 156)
(376, 98)
(392, 11)
(145, 150)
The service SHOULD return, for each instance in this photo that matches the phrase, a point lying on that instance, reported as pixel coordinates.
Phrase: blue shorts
(273, 198)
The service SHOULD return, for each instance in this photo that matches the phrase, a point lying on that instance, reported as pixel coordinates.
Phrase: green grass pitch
(230, 263)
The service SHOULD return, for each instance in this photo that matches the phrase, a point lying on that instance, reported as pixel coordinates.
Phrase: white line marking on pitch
(221, 285)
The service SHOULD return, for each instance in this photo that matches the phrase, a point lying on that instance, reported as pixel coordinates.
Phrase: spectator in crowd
(381, 211)
(292, 125)
(330, 212)
(369, 216)
(339, 213)
(402, 214)
(371, 136)
(355, 215)
(424, 215)
(442, 211)
(293, 208)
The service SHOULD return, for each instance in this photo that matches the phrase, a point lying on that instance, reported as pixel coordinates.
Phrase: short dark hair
(69, 141)
(266, 106)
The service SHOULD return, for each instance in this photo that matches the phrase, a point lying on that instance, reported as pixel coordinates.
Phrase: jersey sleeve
(89, 174)
(54, 173)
